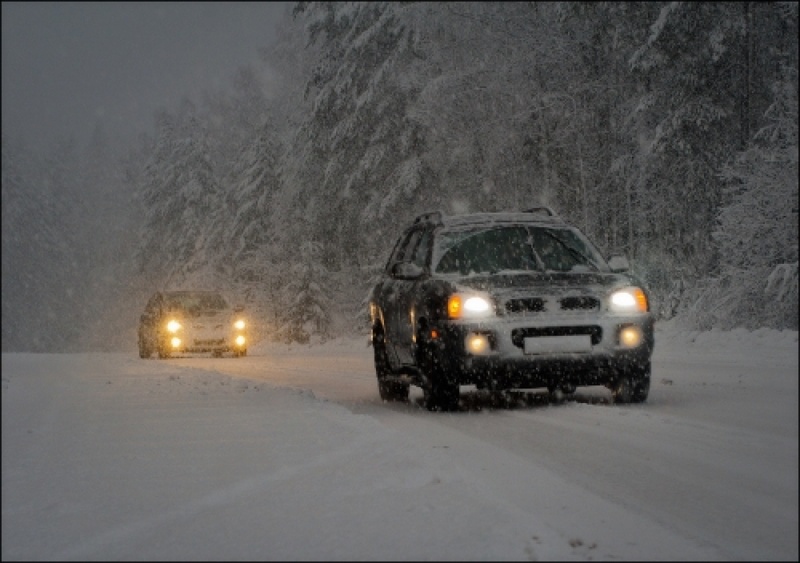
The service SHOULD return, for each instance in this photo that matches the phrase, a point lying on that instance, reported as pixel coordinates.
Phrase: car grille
(531, 305)
(580, 304)
(210, 342)
(518, 335)
(538, 305)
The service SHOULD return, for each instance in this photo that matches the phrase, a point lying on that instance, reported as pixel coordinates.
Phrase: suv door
(407, 294)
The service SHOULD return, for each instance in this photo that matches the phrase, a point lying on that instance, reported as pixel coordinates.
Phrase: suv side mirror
(618, 263)
(407, 271)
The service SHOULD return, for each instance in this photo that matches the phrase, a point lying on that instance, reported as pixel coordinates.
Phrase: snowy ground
(288, 454)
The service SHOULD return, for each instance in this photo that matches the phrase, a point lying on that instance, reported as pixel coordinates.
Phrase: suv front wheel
(389, 389)
(632, 385)
(440, 392)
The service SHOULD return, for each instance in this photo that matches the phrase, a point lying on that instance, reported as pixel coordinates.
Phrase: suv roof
(542, 215)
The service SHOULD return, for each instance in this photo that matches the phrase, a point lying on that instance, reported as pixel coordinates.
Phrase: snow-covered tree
(43, 295)
(689, 124)
(307, 300)
(108, 224)
(30, 239)
(184, 201)
(249, 236)
(624, 117)
(757, 230)
(233, 118)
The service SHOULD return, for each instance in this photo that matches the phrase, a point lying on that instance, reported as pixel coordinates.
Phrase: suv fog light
(176, 342)
(240, 340)
(478, 344)
(630, 336)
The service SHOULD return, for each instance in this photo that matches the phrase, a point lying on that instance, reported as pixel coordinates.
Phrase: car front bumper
(529, 353)
(192, 345)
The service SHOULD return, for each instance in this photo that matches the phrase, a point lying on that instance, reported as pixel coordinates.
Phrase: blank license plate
(558, 344)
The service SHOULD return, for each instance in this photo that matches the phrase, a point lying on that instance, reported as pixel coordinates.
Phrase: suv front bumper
(521, 353)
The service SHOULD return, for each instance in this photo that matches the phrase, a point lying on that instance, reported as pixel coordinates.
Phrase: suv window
(515, 248)
(421, 252)
(404, 250)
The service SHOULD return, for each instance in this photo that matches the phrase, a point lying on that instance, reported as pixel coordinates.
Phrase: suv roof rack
(542, 210)
(431, 217)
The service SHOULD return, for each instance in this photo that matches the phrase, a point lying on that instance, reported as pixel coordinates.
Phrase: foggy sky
(66, 65)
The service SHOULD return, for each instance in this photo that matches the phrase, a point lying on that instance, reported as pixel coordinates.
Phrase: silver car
(505, 301)
(182, 322)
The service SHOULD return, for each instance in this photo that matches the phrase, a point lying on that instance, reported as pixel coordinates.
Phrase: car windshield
(190, 301)
(513, 249)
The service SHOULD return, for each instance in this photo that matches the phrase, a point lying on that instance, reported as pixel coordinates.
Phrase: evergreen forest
(666, 131)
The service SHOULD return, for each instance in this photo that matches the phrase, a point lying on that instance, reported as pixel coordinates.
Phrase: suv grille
(537, 304)
(580, 303)
(530, 305)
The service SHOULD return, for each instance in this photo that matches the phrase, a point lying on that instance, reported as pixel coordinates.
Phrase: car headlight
(628, 300)
(462, 306)
(239, 324)
(173, 326)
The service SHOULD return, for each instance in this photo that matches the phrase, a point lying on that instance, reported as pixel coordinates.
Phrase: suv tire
(632, 386)
(440, 393)
(389, 390)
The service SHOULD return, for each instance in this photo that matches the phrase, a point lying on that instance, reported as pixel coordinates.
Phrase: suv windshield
(514, 248)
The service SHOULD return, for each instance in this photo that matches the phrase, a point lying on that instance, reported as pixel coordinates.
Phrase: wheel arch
(377, 319)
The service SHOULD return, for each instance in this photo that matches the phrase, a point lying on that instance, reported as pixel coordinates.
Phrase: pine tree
(184, 202)
(757, 229)
(308, 307)
(690, 124)
(29, 236)
(357, 136)
(249, 235)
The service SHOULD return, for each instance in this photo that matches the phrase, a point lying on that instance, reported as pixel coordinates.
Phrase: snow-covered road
(289, 453)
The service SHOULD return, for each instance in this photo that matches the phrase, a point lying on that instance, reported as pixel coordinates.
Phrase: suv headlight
(173, 326)
(469, 306)
(239, 324)
(628, 300)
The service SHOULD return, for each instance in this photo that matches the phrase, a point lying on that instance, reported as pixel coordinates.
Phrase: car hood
(553, 283)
